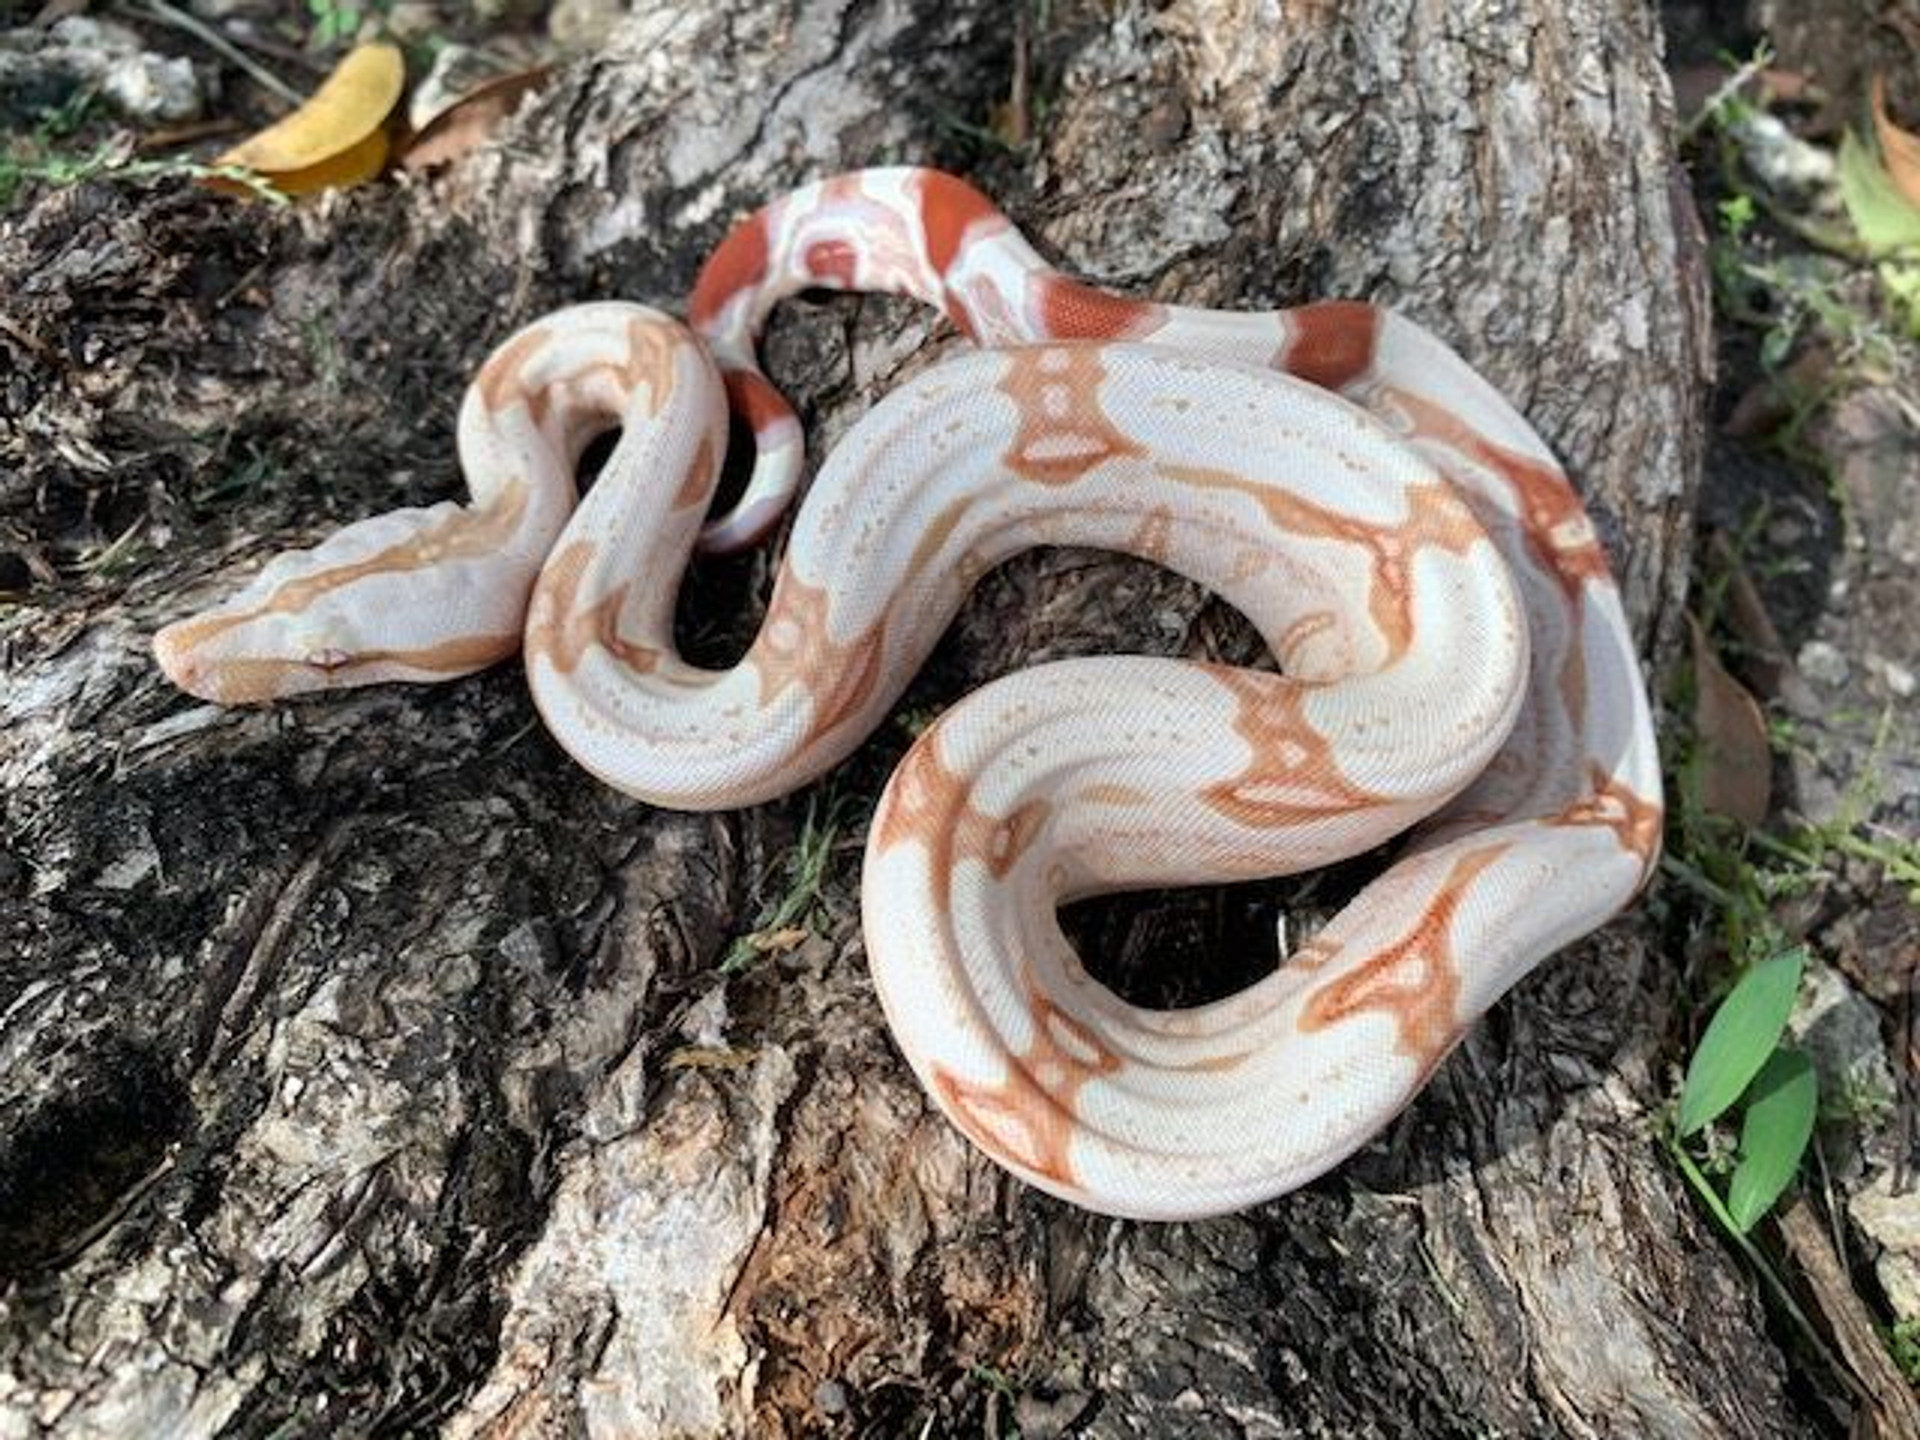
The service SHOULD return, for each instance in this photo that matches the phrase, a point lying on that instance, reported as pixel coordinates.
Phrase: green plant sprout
(807, 869)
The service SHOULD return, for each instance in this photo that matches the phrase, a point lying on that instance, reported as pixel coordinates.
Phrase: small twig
(172, 137)
(180, 20)
(26, 339)
(1019, 122)
(1761, 58)
(1870, 1372)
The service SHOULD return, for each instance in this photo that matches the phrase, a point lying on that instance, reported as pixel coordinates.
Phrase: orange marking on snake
(1153, 539)
(1293, 776)
(834, 260)
(796, 648)
(1029, 1116)
(563, 628)
(697, 484)
(245, 682)
(500, 382)
(1555, 522)
(755, 401)
(1072, 311)
(1635, 822)
(1063, 432)
(951, 212)
(1296, 635)
(937, 533)
(651, 353)
(1436, 516)
(1414, 982)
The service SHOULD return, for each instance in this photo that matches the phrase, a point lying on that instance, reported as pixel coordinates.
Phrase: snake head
(241, 654)
(420, 595)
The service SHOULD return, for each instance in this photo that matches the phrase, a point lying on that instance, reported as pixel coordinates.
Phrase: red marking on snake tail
(739, 264)
(949, 209)
(832, 261)
(752, 398)
(1028, 1118)
(1072, 311)
(1064, 431)
(1414, 982)
(1331, 344)
(1634, 821)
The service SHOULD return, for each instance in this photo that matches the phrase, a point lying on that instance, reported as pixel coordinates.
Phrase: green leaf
(1739, 1038)
(1903, 288)
(1883, 216)
(1774, 1135)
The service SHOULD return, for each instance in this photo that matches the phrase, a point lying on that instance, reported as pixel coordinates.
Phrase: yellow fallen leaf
(1899, 149)
(339, 136)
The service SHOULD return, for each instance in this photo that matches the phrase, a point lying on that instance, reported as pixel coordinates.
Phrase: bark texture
(366, 1069)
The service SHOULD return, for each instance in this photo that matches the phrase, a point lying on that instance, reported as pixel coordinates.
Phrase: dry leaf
(1765, 663)
(1736, 765)
(1776, 397)
(339, 136)
(466, 123)
(1899, 149)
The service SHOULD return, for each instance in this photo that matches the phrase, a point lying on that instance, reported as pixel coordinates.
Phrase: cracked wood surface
(366, 1069)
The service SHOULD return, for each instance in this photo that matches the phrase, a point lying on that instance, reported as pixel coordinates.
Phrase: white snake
(1452, 643)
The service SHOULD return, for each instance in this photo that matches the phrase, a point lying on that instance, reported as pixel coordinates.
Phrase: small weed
(118, 556)
(1903, 1343)
(337, 21)
(116, 161)
(783, 922)
(1741, 1063)
(236, 479)
(323, 352)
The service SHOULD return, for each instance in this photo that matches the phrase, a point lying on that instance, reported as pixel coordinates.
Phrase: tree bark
(366, 1069)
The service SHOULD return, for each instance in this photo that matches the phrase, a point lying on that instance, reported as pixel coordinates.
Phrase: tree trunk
(367, 1069)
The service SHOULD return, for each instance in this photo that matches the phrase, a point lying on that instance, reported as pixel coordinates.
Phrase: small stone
(135, 81)
(1892, 1221)
(1901, 682)
(1042, 1417)
(1822, 663)
(830, 1396)
(1839, 1028)
(152, 87)
(582, 25)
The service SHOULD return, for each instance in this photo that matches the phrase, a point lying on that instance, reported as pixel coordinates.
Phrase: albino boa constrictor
(1450, 637)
